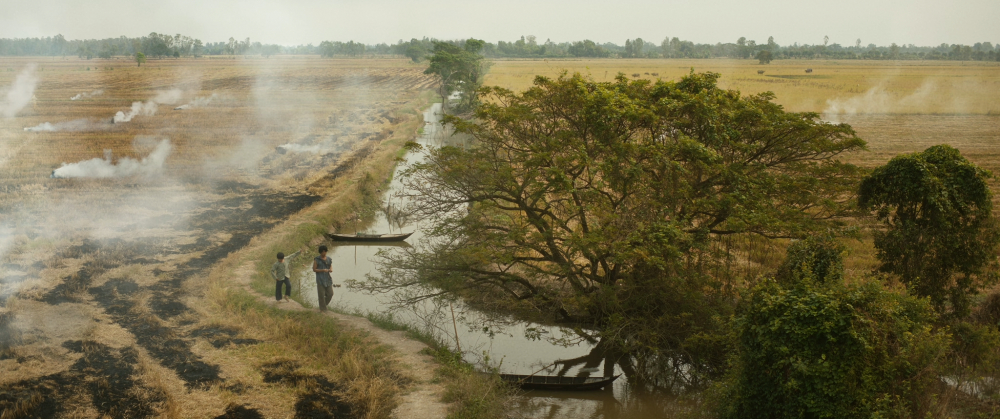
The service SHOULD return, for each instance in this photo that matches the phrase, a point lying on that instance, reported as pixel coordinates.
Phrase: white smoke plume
(149, 108)
(104, 168)
(879, 101)
(197, 102)
(74, 125)
(299, 148)
(138, 108)
(79, 96)
(20, 93)
(168, 97)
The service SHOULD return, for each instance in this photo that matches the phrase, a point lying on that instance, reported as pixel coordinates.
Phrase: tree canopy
(833, 351)
(939, 232)
(460, 68)
(604, 202)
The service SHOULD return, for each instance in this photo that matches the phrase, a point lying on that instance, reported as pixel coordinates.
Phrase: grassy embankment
(373, 381)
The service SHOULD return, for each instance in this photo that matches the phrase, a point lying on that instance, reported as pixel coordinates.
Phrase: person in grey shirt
(279, 271)
(323, 265)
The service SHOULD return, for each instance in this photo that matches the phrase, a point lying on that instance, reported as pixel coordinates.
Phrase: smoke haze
(197, 102)
(299, 148)
(19, 94)
(166, 97)
(79, 96)
(151, 165)
(138, 108)
(74, 125)
(878, 100)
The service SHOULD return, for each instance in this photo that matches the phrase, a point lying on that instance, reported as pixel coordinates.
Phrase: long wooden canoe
(551, 382)
(361, 237)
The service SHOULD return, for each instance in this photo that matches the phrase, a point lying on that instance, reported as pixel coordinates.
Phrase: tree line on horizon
(157, 45)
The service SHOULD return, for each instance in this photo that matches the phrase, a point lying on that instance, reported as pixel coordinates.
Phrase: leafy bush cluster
(813, 347)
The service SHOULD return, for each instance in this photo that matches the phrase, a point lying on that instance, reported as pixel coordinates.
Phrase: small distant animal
(646, 73)
(654, 74)
(809, 70)
(760, 71)
(635, 74)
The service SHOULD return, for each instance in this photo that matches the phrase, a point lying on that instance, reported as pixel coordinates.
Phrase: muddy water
(506, 347)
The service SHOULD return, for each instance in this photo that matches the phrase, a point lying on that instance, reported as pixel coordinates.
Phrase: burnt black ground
(104, 376)
(321, 401)
(240, 412)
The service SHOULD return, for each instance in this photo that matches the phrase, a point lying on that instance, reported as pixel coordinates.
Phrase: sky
(295, 22)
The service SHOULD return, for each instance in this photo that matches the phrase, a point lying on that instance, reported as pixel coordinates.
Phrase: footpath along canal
(503, 343)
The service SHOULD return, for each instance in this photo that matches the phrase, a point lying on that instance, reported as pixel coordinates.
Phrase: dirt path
(422, 399)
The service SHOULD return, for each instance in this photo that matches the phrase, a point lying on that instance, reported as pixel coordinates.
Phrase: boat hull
(556, 383)
(368, 237)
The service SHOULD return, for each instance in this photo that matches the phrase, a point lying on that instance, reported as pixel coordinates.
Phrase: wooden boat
(361, 237)
(551, 382)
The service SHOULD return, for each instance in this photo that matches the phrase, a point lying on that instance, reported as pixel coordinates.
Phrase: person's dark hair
(322, 248)
(281, 256)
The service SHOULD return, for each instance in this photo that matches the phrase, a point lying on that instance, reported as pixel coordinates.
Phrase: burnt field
(113, 213)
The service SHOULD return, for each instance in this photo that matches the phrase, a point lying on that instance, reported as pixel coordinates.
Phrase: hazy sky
(292, 22)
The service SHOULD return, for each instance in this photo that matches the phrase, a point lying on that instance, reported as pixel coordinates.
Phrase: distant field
(897, 107)
(838, 87)
(243, 109)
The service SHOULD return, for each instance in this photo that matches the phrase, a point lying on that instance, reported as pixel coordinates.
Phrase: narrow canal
(504, 344)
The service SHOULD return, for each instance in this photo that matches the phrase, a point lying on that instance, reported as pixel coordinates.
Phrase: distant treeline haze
(162, 45)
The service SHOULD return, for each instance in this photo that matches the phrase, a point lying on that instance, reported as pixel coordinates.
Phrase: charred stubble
(111, 386)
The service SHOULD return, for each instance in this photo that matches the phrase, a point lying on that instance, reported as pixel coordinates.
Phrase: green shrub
(817, 257)
(830, 351)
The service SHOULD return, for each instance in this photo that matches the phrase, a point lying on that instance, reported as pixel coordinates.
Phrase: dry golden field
(839, 87)
(105, 259)
(898, 107)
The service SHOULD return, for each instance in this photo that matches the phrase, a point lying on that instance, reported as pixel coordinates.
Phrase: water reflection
(512, 346)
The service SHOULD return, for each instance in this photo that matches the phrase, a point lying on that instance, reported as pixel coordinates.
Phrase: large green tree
(606, 202)
(460, 68)
(938, 234)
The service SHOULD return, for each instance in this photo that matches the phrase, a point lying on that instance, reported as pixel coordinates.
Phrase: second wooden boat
(557, 383)
(361, 237)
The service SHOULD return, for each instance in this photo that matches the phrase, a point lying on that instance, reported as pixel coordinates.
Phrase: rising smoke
(138, 108)
(197, 102)
(20, 93)
(74, 125)
(878, 100)
(165, 97)
(79, 96)
(299, 148)
(103, 168)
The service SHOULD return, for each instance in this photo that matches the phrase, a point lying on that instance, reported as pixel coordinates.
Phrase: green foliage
(764, 56)
(817, 258)
(587, 48)
(460, 68)
(414, 50)
(940, 234)
(139, 59)
(976, 349)
(829, 351)
(329, 49)
(606, 202)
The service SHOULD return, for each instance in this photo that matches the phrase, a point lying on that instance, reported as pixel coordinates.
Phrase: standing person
(279, 271)
(323, 265)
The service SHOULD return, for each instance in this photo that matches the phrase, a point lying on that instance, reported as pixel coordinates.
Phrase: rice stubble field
(119, 205)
